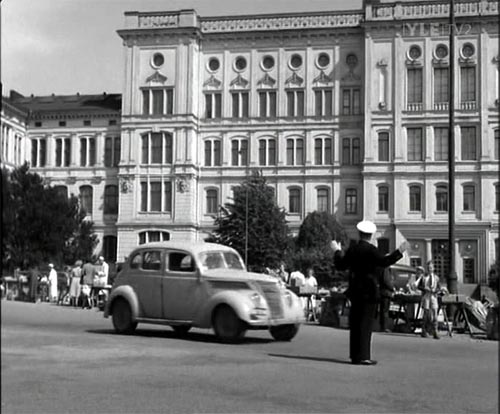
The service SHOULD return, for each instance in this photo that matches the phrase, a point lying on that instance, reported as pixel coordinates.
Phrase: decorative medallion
(125, 184)
(156, 77)
(322, 78)
(239, 81)
(294, 80)
(213, 82)
(267, 81)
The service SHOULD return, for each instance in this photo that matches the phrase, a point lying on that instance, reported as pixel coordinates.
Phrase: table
(406, 304)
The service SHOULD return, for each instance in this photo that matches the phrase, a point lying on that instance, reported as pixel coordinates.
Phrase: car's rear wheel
(122, 317)
(227, 326)
(284, 332)
(181, 329)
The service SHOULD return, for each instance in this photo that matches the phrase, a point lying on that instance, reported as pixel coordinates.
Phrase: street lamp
(452, 275)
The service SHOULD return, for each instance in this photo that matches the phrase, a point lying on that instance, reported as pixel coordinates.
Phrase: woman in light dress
(74, 289)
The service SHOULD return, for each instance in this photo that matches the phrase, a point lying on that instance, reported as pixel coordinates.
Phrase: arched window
(239, 152)
(267, 152)
(294, 201)
(383, 198)
(351, 201)
(441, 197)
(323, 198)
(111, 199)
(86, 199)
(415, 198)
(62, 190)
(469, 197)
(212, 201)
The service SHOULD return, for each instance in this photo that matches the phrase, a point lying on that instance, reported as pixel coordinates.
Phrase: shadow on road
(333, 360)
(190, 336)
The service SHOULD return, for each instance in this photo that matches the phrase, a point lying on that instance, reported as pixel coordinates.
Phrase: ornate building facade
(345, 112)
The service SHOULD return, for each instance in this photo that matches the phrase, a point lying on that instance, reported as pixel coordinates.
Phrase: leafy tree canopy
(312, 245)
(253, 224)
(40, 224)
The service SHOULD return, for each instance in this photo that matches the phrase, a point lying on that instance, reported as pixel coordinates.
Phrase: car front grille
(272, 295)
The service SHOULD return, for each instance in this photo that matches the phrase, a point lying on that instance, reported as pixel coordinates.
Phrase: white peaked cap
(51, 265)
(366, 226)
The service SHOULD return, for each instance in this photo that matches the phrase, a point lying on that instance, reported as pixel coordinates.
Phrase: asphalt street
(64, 360)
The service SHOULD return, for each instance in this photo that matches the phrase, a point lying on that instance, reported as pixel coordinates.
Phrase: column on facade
(397, 86)
(485, 148)
(182, 78)
(428, 75)
(281, 148)
(429, 143)
(336, 82)
(309, 147)
(309, 106)
(75, 149)
(179, 135)
(100, 142)
(51, 150)
(428, 250)
(280, 96)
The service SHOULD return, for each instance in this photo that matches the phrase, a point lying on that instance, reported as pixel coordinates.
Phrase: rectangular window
(497, 144)
(351, 151)
(415, 90)
(441, 85)
(87, 152)
(295, 103)
(240, 104)
(469, 270)
(157, 101)
(415, 144)
(267, 104)
(441, 199)
(383, 146)
(497, 197)
(469, 198)
(156, 148)
(213, 105)
(63, 152)
(468, 142)
(144, 196)
(351, 101)
(351, 201)
(440, 144)
(111, 199)
(167, 196)
(323, 102)
(468, 83)
(155, 196)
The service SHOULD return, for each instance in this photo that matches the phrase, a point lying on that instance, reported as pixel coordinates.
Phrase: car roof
(403, 268)
(194, 247)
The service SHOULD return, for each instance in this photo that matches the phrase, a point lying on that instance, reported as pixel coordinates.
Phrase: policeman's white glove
(404, 246)
(335, 246)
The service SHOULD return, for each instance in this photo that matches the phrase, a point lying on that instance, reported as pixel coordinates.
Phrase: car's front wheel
(284, 332)
(122, 317)
(227, 326)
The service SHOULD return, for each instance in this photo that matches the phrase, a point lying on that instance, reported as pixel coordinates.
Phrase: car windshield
(221, 260)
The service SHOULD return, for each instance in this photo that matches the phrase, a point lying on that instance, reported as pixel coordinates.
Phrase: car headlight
(288, 298)
(257, 300)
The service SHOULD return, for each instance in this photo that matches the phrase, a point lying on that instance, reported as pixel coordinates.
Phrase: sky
(69, 46)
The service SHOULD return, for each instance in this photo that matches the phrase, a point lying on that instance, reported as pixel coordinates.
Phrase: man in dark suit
(364, 261)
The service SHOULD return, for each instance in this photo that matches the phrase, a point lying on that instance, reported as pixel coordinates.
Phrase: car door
(146, 278)
(181, 287)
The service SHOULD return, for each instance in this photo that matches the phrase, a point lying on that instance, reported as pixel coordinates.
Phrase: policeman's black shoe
(364, 362)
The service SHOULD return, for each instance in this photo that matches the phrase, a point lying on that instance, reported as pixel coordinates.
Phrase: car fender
(239, 301)
(126, 292)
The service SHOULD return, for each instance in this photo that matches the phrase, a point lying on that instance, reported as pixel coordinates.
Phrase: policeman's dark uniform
(362, 259)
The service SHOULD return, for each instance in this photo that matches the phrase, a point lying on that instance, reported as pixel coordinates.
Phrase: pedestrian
(74, 289)
(297, 278)
(310, 288)
(104, 271)
(34, 276)
(86, 282)
(52, 283)
(63, 281)
(430, 287)
(362, 259)
(386, 294)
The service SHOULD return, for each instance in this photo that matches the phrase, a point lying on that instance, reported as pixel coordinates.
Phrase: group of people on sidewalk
(74, 285)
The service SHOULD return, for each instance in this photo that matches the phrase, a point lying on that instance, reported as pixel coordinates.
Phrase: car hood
(238, 275)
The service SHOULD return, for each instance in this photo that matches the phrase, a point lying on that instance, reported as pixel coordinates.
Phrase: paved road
(64, 360)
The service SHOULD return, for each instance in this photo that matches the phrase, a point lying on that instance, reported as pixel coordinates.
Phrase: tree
(312, 245)
(40, 224)
(253, 224)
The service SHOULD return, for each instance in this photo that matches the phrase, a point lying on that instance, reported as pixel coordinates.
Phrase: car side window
(136, 261)
(180, 262)
(152, 260)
